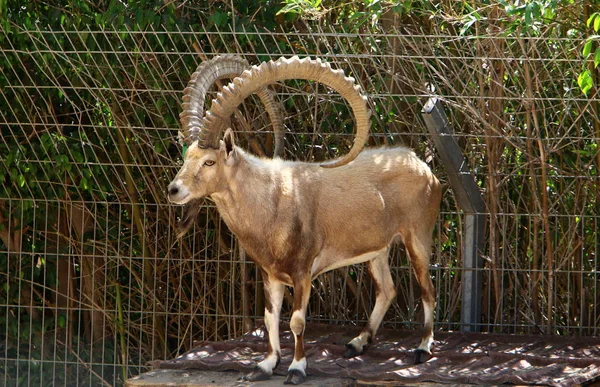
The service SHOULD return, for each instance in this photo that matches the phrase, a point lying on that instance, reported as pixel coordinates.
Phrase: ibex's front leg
(273, 299)
(297, 370)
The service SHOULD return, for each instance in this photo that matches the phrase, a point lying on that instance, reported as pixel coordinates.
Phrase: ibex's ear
(228, 146)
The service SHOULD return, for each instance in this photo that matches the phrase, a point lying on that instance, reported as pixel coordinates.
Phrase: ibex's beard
(190, 213)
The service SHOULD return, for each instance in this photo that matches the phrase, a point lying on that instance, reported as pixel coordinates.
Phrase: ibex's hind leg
(419, 250)
(379, 269)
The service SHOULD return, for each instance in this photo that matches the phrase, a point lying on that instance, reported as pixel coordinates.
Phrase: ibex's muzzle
(177, 192)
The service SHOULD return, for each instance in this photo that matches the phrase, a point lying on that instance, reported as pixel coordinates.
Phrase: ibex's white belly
(329, 260)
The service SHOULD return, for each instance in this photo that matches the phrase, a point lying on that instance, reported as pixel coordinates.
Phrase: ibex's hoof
(295, 377)
(257, 375)
(422, 356)
(352, 352)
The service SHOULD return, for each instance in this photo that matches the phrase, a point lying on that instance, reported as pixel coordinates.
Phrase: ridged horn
(283, 69)
(194, 96)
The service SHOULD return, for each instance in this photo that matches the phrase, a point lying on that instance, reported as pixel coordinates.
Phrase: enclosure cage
(95, 282)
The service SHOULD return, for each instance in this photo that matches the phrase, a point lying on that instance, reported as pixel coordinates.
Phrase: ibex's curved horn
(294, 68)
(202, 79)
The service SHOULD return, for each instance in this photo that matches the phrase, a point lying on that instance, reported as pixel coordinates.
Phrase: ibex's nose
(173, 190)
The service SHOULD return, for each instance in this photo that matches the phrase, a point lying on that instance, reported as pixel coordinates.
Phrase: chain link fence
(94, 281)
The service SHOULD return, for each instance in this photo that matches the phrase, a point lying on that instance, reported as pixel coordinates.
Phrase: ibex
(297, 220)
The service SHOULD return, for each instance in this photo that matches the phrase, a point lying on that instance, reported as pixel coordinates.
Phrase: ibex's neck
(247, 194)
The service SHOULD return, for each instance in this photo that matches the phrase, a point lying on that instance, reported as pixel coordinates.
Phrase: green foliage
(301, 7)
(585, 81)
(530, 15)
(30, 368)
(355, 16)
(591, 49)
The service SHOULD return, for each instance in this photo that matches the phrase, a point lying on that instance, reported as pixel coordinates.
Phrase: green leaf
(158, 147)
(467, 26)
(372, 3)
(528, 14)
(597, 23)
(77, 156)
(587, 48)
(597, 57)
(219, 18)
(585, 81)
(512, 10)
(594, 16)
(139, 17)
(536, 11)
(10, 158)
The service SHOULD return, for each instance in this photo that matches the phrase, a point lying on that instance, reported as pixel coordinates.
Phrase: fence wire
(95, 282)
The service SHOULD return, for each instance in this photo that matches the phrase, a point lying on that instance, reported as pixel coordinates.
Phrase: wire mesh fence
(95, 282)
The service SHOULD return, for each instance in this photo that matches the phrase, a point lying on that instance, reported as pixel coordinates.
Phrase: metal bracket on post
(470, 202)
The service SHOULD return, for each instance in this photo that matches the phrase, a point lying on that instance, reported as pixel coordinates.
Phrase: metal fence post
(471, 203)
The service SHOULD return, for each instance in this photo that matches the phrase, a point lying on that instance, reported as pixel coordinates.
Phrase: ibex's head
(205, 131)
(204, 171)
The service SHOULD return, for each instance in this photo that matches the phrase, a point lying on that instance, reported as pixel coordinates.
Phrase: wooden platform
(197, 378)
(458, 359)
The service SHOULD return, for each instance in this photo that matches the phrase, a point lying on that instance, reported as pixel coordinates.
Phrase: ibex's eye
(208, 163)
